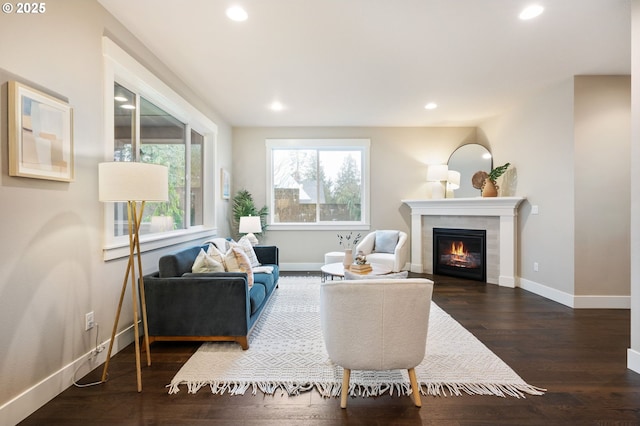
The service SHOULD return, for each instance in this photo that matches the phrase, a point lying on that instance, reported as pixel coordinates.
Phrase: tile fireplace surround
(498, 215)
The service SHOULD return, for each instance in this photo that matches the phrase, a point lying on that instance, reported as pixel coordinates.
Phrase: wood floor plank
(578, 355)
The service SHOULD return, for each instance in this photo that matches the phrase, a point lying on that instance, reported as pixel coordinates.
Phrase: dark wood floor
(578, 355)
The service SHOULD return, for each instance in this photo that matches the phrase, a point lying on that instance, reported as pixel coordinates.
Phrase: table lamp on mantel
(453, 183)
(133, 183)
(248, 225)
(438, 175)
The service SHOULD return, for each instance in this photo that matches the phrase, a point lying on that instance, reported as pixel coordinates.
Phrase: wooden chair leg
(345, 388)
(414, 387)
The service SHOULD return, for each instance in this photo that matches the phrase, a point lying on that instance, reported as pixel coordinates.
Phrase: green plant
(498, 171)
(243, 205)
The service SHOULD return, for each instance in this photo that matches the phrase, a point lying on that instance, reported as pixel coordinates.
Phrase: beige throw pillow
(247, 247)
(237, 261)
(206, 263)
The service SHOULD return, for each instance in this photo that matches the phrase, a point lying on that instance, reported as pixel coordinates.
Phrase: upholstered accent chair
(376, 325)
(388, 247)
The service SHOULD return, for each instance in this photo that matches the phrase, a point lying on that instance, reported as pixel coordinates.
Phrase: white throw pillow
(221, 244)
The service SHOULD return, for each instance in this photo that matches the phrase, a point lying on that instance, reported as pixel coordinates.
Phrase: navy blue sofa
(215, 306)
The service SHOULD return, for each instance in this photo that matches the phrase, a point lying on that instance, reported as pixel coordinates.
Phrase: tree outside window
(323, 184)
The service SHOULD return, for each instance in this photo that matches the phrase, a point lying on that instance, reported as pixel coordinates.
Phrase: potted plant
(243, 205)
(486, 182)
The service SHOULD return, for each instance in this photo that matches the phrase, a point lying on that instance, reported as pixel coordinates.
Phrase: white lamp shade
(453, 181)
(437, 172)
(249, 224)
(132, 181)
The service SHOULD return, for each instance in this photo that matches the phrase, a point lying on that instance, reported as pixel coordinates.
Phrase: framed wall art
(225, 183)
(40, 135)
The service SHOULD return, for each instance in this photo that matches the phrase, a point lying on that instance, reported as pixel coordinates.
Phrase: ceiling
(377, 62)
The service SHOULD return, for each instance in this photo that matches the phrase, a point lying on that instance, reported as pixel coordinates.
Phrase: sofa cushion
(386, 241)
(268, 280)
(257, 295)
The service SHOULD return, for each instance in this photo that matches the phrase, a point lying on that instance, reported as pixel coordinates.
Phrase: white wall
(398, 171)
(52, 271)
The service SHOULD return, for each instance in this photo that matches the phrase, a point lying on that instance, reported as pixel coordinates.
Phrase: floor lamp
(133, 183)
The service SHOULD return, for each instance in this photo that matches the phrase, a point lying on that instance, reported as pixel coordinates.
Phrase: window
(163, 140)
(152, 124)
(318, 183)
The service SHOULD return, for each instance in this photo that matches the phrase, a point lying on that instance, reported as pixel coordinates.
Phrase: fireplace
(460, 253)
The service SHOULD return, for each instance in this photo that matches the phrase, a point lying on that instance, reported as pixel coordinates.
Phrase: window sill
(120, 248)
(318, 227)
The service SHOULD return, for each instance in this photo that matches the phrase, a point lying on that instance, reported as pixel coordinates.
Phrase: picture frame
(40, 135)
(225, 184)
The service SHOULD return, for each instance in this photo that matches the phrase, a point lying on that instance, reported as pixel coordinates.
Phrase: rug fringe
(332, 390)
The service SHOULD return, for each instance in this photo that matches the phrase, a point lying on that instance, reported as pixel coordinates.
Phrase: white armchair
(386, 247)
(376, 325)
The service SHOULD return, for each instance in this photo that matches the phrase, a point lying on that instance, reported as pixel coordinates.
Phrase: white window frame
(337, 144)
(121, 68)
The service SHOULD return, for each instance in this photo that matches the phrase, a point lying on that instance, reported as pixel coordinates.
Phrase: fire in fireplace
(460, 253)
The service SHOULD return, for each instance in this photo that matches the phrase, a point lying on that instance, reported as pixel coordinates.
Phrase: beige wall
(52, 271)
(602, 199)
(398, 171)
(536, 137)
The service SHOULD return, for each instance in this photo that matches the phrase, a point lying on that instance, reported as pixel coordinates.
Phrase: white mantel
(506, 208)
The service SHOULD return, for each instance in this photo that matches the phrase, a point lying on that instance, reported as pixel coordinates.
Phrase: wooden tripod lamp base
(132, 182)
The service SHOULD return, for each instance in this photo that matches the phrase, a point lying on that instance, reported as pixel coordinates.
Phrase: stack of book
(360, 269)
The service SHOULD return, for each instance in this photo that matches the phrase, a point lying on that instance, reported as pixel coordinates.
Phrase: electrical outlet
(535, 266)
(88, 321)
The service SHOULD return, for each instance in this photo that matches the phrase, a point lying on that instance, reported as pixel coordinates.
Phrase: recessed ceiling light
(276, 106)
(127, 106)
(431, 105)
(120, 98)
(236, 13)
(531, 12)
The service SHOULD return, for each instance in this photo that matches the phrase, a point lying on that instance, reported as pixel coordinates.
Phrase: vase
(489, 189)
(348, 258)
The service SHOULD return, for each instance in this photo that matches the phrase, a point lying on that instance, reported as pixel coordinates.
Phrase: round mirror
(469, 159)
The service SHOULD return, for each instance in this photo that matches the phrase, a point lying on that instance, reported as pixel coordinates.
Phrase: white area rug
(287, 355)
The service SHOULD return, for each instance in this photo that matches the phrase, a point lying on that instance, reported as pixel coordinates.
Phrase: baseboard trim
(547, 292)
(633, 360)
(301, 266)
(602, 302)
(23, 405)
(576, 302)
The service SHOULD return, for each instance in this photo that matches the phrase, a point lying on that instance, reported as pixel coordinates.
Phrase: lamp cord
(94, 353)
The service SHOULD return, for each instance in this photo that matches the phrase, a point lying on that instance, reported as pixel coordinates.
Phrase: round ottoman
(333, 257)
